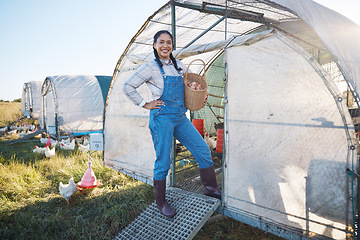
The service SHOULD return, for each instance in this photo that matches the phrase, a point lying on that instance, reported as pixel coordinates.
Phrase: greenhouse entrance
(187, 174)
(210, 123)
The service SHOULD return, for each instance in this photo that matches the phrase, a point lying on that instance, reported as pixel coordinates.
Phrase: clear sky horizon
(42, 38)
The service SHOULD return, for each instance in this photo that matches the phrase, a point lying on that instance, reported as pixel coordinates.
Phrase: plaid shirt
(150, 74)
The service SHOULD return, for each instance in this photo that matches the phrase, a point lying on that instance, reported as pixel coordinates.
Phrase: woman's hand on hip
(153, 104)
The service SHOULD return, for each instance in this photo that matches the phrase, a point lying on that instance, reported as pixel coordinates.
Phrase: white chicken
(4, 129)
(83, 148)
(209, 141)
(54, 143)
(32, 127)
(39, 150)
(22, 134)
(67, 190)
(11, 132)
(49, 152)
(86, 141)
(65, 141)
(43, 140)
(69, 146)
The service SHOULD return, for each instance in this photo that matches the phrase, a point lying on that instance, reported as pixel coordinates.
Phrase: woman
(164, 77)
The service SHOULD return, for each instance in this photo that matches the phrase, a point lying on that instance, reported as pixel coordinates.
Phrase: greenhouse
(31, 99)
(73, 104)
(283, 80)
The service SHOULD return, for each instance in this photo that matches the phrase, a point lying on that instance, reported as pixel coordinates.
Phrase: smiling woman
(168, 118)
(163, 46)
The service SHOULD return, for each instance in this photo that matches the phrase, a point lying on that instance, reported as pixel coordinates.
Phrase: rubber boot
(208, 179)
(162, 204)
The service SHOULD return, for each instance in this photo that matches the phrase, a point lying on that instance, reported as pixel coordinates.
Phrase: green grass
(32, 208)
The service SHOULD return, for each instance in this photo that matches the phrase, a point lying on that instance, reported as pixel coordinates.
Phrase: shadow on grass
(85, 216)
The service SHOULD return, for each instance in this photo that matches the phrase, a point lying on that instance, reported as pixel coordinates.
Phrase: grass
(9, 112)
(32, 208)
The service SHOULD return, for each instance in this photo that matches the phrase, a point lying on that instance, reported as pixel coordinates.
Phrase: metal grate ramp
(193, 210)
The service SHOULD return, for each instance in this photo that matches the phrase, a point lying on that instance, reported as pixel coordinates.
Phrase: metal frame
(50, 85)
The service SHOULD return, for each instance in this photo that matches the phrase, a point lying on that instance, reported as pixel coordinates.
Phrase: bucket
(195, 99)
(219, 140)
(199, 125)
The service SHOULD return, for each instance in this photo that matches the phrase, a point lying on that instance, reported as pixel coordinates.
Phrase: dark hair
(156, 36)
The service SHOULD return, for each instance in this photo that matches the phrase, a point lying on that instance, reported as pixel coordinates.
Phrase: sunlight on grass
(32, 208)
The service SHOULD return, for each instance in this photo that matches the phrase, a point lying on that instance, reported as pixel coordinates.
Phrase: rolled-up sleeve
(141, 76)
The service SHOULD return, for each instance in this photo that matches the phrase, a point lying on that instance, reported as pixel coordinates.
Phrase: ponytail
(157, 58)
(174, 62)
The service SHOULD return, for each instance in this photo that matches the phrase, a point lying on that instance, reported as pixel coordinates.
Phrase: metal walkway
(193, 210)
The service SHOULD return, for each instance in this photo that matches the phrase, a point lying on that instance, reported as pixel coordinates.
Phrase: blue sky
(40, 38)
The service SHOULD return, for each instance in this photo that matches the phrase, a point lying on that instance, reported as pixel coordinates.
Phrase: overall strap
(161, 69)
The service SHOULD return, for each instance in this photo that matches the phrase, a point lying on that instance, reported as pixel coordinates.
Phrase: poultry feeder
(48, 142)
(89, 179)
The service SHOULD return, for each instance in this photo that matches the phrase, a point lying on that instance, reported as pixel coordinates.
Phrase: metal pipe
(204, 32)
(173, 23)
(173, 152)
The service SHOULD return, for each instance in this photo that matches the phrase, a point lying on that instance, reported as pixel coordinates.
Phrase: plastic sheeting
(339, 34)
(288, 141)
(31, 99)
(129, 147)
(73, 104)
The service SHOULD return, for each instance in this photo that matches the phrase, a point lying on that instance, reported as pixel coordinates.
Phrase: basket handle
(187, 70)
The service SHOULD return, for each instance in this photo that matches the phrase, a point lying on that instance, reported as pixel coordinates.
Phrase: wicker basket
(195, 99)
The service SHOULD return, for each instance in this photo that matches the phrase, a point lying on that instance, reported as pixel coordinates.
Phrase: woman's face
(163, 46)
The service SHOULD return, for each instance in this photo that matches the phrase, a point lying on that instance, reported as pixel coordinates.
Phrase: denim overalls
(170, 121)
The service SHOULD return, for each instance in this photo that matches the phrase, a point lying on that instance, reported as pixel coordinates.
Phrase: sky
(41, 38)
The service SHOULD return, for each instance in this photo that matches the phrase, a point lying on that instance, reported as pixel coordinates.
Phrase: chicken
(32, 127)
(86, 141)
(67, 190)
(43, 140)
(69, 146)
(39, 150)
(54, 143)
(49, 152)
(209, 141)
(4, 129)
(22, 134)
(64, 141)
(83, 148)
(11, 132)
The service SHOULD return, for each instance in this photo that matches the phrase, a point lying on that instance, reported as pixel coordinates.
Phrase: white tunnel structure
(290, 151)
(73, 104)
